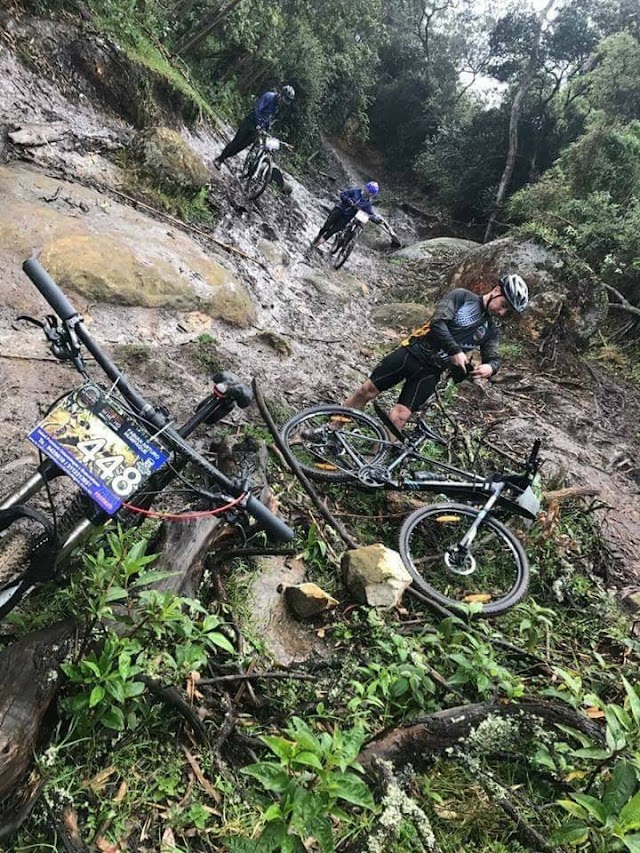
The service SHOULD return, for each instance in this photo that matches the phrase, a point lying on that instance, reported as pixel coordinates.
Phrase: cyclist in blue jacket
(261, 117)
(351, 200)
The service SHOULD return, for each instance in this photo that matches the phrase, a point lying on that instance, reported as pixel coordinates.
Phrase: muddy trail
(307, 333)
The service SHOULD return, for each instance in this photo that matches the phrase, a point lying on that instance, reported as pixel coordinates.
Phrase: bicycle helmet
(372, 187)
(288, 93)
(515, 291)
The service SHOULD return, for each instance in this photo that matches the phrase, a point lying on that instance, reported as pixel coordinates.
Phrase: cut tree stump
(28, 684)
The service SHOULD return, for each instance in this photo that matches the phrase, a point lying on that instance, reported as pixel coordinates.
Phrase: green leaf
(593, 806)
(544, 757)
(349, 787)
(133, 688)
(573, 832)
(97, 695)
(573, 808)
(620, 787)
(115, 593)
(113, 718)
(115, 688)
(634, 700)
(270, 775)
(629, 817)
(308, 759)
(274, 812)
(632, 843)
(280, 746)
(148, 578)
(218, 639)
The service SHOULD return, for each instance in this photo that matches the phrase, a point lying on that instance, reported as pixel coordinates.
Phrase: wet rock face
(401, 315)
(111, 255)
(170, 160)
(554, 296)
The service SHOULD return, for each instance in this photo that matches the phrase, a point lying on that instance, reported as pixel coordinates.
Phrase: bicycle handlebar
(65, 310)
(49, 289)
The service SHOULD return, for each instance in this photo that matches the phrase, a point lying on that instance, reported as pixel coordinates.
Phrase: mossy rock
(169, 160)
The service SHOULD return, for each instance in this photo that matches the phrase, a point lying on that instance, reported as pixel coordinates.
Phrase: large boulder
(375, 575)
(582, 306)
(437, 248)
(170, 160)
(107, 252)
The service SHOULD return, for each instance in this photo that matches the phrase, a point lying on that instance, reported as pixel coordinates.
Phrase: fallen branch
(418, 742)
(570, 492)
(254, 676)
(171, 696)
(297, 470)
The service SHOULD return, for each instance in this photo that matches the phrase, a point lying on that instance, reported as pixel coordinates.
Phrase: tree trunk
(516, 106)
(28, 684)
(418, 742)
(205, 27)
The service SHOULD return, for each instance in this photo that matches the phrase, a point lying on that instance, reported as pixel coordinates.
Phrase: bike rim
(487, 574)
(343, 444)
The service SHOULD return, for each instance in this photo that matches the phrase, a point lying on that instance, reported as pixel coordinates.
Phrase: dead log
(423, 739)
(570, 492)
(28, 684)
(183, 547)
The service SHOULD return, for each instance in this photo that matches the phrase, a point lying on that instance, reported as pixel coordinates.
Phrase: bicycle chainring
(373, 476)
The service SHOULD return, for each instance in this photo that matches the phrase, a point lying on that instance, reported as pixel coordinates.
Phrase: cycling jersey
(266, 110)
(460, 323)
(352, 200)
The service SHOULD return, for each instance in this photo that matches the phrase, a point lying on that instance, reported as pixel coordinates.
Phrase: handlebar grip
(49, 289)
(276, 528)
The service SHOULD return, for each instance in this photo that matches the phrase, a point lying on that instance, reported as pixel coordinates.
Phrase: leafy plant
(314, 772)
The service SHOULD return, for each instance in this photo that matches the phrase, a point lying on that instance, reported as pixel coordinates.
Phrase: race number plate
(92, 439)
(529, 502)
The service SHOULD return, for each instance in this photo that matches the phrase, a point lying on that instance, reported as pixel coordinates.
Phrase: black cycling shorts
(419, 379)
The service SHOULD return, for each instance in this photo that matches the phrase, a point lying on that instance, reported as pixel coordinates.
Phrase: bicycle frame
(465, 484)
(75, 335)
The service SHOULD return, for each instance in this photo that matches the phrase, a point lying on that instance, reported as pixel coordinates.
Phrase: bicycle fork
(459, 559)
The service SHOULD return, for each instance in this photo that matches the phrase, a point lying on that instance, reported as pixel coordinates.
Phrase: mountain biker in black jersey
(463, 321)
(351, 201)
(261, 117)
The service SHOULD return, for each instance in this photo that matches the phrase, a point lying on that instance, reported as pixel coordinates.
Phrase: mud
(589, 428)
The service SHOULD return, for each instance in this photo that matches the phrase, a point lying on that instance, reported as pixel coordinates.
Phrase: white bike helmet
(515, 291)
(288, 93)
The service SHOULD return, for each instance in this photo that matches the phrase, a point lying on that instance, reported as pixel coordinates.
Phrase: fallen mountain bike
(456, 553)
(118, 448)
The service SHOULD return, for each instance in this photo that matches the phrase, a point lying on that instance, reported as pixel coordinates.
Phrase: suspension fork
(470, 535)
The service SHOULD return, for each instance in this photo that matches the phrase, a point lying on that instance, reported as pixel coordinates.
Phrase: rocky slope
(170, 300)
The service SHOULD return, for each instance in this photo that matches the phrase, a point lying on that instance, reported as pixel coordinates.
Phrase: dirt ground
(587, 418)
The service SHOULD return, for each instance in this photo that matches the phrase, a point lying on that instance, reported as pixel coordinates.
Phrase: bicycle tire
(337, 465)
(258, 180)
(345, 250)
(421, 539)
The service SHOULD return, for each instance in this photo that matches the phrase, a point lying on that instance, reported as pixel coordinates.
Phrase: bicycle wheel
(334, 443)
(345, 250)
(259, 177)
(494, 570)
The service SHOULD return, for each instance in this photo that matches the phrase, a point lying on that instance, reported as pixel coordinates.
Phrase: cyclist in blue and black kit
(261, 117)
(462, 322)
(351, 201)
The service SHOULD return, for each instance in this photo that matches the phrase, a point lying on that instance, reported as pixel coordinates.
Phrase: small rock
(307, 600)
(375, 575)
